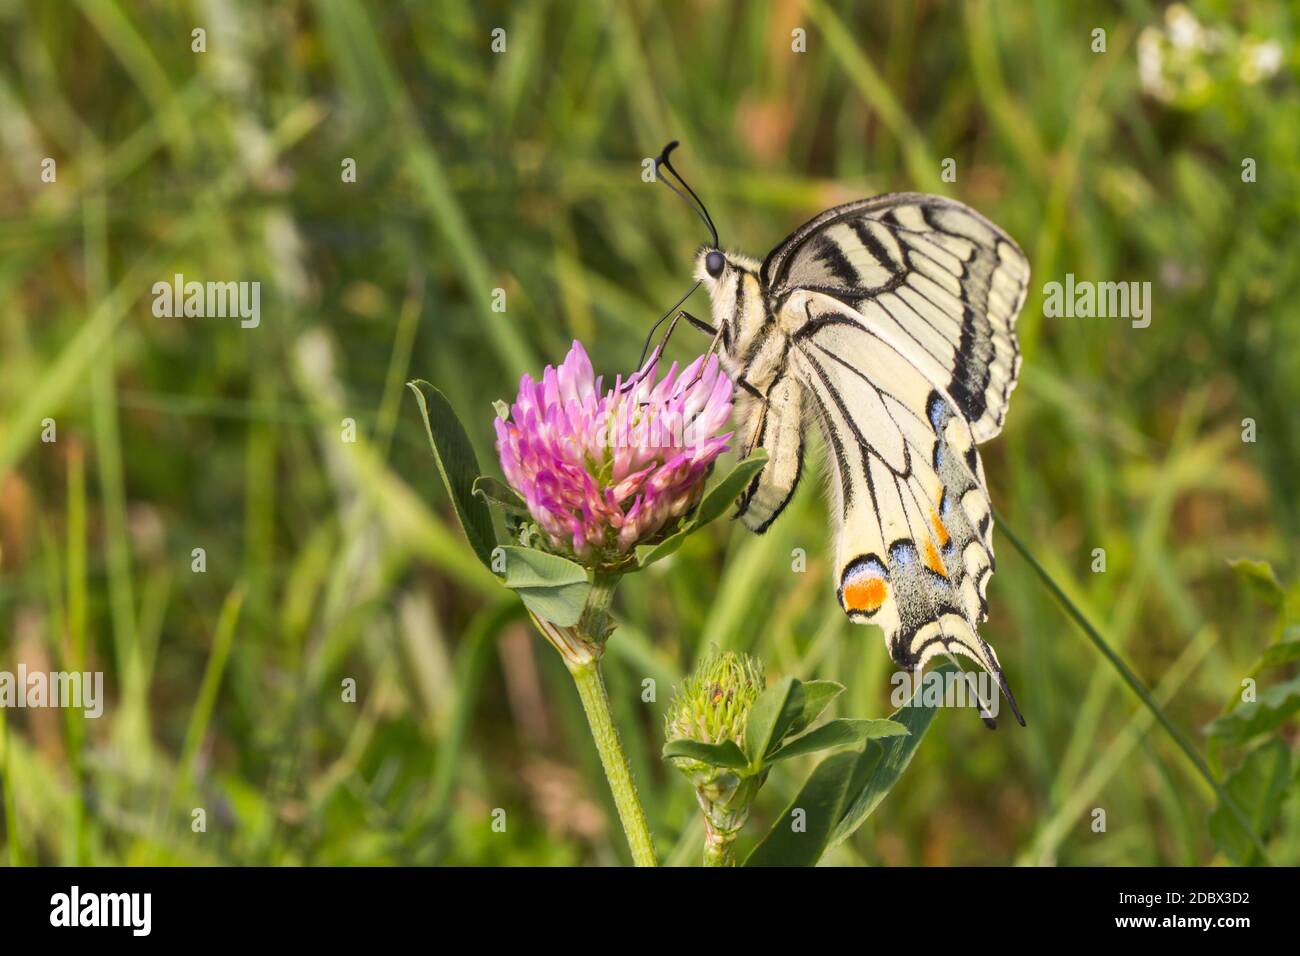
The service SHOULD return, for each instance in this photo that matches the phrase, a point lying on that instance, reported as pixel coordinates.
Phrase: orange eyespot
(865, 594)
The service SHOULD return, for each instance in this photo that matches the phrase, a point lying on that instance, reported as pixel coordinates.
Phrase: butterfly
(888, 324)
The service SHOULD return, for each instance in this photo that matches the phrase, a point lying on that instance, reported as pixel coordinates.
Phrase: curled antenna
(663, 162)
(698, 205)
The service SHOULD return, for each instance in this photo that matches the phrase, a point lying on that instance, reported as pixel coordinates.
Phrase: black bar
(546, 907)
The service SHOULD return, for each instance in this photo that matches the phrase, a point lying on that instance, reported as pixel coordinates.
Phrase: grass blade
(1140, 690)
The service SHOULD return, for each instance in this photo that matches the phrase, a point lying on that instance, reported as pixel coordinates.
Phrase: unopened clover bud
(712, 704)
(712, 708)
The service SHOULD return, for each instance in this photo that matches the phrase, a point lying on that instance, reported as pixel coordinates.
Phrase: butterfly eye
(714, 263)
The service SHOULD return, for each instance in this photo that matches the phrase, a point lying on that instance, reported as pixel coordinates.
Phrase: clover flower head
(604, 471)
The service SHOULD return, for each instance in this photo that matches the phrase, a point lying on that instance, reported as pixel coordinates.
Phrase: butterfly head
(714, 263)
(731, 279)
(716, 270)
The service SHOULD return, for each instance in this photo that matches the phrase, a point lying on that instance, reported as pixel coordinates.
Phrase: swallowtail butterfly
(888, 324)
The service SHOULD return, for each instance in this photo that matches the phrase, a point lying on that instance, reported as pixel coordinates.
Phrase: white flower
(1259, 60)
(1151, 64)
(1184, 30)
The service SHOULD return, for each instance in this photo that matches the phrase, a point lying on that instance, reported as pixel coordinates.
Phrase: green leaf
(1258, 786)
(499, 493)
(883, 763)
(1283, 651)
(817, 806)
(725, 754)
(719, 498)
(648, 554)
(838, 733)
(455, 459)
(561, 606)
(771, 717)
(1259, 576)
(817, 695)
(715, 501)
(1270, 710)
(552, 587)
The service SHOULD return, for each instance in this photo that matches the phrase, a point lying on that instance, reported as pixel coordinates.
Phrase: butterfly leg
(663, 343)
(698, 323)
(703, 327)
(646, 362)
(713, 346)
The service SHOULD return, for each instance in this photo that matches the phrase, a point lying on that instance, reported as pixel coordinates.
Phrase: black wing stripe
(776, 512)
(832, 253)
(864, 445)
(864, 330)
(834, 319)
(951, 332)
(875, 247)
(884, 304)
(838, 452)
(833, 434)
(962, 265)
(846, 483)
(872, 385)
(970, 377)
(971, 372)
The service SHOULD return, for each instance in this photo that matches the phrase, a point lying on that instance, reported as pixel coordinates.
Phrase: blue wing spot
(869, 565)
(902, 553)
(937, 411)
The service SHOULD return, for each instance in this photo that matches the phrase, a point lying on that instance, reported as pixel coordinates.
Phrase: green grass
(329, 560)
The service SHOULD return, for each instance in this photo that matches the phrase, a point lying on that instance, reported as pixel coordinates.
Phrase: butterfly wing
(776, 425)
(908, 357)
(913, 526)
(947, 284)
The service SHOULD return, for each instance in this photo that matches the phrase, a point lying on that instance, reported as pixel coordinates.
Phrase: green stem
(595, 701)
(719, 846)
(595, 624)
(581, 647)
(1140, 689)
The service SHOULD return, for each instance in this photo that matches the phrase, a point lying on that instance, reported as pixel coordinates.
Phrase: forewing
(944, 281)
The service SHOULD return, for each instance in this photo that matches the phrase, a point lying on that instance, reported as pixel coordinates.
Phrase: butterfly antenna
(663, 162)
(700, 209)
(645, 349)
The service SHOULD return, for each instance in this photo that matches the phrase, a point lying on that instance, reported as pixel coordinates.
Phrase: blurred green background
(328, 560)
